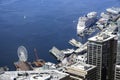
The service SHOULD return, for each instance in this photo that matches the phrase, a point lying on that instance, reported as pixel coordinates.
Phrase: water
(41, 24)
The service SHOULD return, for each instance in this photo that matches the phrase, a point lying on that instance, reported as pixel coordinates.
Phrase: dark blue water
(41, 24)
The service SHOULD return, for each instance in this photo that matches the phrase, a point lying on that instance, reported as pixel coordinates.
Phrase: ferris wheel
(22, 53)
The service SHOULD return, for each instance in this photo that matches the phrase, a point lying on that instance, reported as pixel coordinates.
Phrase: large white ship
(85, 22)
(113, 10)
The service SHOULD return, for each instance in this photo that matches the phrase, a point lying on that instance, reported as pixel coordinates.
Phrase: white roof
(82, 66)
(101, 38)
(33, 75)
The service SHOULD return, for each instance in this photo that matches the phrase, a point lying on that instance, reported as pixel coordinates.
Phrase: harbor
(73, 63)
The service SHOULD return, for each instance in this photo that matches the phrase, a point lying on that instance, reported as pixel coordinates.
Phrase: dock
(82, 48)
(57, 53)
(60, 54)
(75, 43)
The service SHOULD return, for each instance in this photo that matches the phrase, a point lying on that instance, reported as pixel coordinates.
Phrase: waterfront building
(117, 70)
(81, 71)
(101, 51)
(34, 75)
(81, 58)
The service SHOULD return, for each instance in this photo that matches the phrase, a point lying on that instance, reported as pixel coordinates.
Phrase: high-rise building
(101, 51)
(117, 70)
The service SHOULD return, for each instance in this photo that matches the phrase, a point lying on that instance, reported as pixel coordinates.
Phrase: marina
(75, 63)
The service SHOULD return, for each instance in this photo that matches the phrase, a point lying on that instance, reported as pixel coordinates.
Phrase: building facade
(101, 51)
(117, 70)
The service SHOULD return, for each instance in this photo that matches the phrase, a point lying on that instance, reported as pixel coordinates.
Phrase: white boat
(85, 22)
(113, 10)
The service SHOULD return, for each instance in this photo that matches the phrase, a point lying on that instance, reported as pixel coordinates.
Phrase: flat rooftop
(102, 37)
(82, 66)
(33, 75)
(79, 69)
